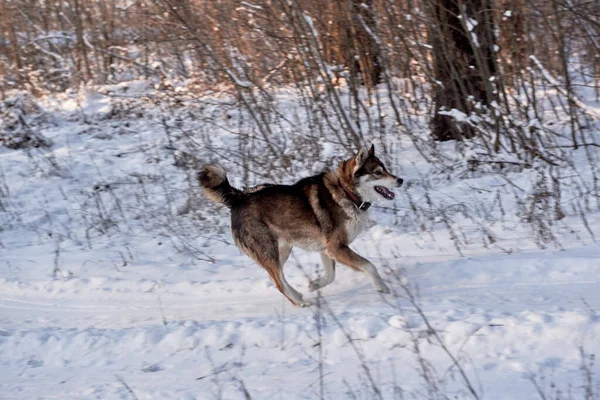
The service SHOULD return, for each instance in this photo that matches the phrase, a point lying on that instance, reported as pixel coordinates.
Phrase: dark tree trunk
(512, 39)
(463, 58)
(368, 63)
(356, 47)
(83, 63)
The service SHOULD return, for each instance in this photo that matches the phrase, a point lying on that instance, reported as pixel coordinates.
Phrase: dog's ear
(361, 157)
(372, 150)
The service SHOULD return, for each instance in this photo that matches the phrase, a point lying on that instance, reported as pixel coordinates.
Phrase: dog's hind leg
(328, 274)
(284, 253)
(292, 294)
(258, 242)
(288, 290)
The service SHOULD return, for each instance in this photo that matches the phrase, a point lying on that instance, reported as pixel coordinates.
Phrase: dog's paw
(383, 289)
(304, 303)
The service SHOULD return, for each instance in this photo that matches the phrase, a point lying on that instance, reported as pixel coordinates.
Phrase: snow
(251, 5)
(590, 110)
(108, 288)
(237, 80)
(471, 23)
(310, 24)
(455, 114)
(545, 72)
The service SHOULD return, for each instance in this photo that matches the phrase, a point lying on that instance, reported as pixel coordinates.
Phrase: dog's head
(372, 181)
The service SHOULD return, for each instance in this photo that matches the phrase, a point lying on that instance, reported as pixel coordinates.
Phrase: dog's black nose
(400, 181)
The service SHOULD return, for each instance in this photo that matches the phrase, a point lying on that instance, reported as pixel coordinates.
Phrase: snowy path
(511, 315)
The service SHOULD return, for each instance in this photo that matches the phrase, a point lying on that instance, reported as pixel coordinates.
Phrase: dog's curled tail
(213, 180)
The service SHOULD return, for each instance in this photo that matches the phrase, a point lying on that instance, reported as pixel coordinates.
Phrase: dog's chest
(356, 224)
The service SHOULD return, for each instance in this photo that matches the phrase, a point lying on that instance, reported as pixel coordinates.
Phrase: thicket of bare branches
(472, 56)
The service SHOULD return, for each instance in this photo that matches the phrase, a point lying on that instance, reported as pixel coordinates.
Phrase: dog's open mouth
(385, 192)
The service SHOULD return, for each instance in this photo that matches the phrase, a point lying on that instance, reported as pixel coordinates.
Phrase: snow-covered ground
(118, 281)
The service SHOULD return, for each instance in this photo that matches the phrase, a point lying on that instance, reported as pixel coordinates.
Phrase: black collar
(356, 199)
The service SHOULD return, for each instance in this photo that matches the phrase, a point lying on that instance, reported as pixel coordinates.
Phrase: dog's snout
(400, 181)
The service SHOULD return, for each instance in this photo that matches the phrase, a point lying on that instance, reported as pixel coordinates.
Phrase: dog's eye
(378, 173)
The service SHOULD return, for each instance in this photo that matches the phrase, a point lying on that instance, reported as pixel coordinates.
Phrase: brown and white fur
(322, 213)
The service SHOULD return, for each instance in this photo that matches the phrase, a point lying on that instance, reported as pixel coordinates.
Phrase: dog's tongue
(385, 192)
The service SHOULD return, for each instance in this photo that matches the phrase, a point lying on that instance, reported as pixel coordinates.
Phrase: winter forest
(120, 279)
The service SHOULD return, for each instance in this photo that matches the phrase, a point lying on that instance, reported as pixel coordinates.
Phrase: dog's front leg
(328, 274)
(344, 255)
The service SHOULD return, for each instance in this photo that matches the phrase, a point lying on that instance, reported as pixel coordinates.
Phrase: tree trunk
(351, 42)
(463, 57)
(368, 63)
(83, 64)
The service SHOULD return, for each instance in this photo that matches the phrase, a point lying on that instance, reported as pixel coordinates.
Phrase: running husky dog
(321, 213)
